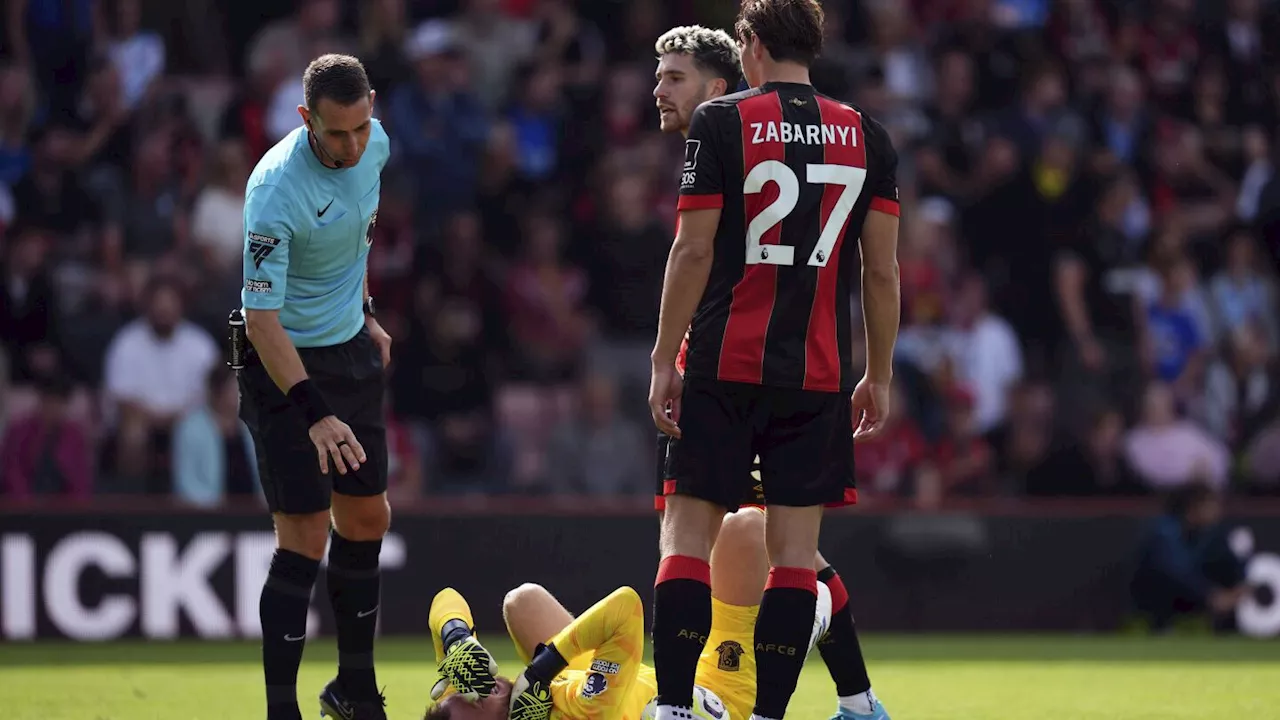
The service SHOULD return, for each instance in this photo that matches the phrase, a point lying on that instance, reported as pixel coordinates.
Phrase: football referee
(312, 386)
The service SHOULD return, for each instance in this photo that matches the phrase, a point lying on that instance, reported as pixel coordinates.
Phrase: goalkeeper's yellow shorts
(646, 682)
(727, 666)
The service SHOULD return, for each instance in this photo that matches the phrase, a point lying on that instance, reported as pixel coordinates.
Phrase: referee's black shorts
(352, 379)
(803, 439)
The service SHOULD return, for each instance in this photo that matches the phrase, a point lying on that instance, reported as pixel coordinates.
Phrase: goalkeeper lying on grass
(590, 668)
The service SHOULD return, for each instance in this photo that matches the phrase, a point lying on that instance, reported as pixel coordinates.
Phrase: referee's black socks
(282, 610)
(354, 581)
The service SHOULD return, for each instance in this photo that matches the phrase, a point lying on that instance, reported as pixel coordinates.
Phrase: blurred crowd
(1090, 238)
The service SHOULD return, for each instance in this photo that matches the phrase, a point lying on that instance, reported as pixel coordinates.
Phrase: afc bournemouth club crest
(730, 654)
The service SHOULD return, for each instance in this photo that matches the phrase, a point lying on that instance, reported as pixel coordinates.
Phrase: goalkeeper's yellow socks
(449, 614)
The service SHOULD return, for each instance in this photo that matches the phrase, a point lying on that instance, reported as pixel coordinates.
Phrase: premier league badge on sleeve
(596, 684)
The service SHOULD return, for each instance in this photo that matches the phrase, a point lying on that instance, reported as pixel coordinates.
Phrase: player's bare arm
(881, 302)
(688, 267)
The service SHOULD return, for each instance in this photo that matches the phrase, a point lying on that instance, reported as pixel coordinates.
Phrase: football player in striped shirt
(695, 65)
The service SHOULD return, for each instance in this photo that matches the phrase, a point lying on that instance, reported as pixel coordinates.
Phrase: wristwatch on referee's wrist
(368, 306)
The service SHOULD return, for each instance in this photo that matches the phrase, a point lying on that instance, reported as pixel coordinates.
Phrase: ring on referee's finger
(341, 443)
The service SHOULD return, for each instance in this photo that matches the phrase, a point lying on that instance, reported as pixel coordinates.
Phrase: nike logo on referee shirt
(367, 613)
(320, 213)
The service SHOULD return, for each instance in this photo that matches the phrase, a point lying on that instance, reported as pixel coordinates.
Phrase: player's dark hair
(790, 29)
(436, 712)
(340, 78)
(713, 51)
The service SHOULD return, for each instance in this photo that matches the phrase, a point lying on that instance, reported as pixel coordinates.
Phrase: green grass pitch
(918, 678)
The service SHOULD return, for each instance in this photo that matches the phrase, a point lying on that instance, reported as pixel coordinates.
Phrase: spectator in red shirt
(963, 458)
(545, 297)
(47, 451)
(890, 463)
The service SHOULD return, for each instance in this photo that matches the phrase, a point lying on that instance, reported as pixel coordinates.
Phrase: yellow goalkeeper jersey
(605, 648)
(606, 678)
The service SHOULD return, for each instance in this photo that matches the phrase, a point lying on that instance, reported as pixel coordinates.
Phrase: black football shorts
(352, 379)
(754, 496)
(801, 439)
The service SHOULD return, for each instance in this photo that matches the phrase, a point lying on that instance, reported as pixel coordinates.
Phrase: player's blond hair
(713, 51)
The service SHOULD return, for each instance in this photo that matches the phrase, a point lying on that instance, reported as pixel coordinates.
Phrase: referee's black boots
(337, 704)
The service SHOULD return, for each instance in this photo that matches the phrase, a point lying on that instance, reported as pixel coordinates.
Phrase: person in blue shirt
(1185, 565)
(313, 383)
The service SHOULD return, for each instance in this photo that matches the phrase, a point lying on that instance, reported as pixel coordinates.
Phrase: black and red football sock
(782, 637)
(681, 623)
(840, 648)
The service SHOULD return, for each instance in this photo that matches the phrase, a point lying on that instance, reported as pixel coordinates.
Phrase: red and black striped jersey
(795, 174)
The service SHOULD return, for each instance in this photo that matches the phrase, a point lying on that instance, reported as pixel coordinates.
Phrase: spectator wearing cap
(436, 123)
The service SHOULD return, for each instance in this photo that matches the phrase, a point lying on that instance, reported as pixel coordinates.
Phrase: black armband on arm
(547, 664)
(306, 396)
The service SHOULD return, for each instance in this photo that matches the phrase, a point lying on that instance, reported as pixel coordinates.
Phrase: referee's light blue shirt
(308, 229)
